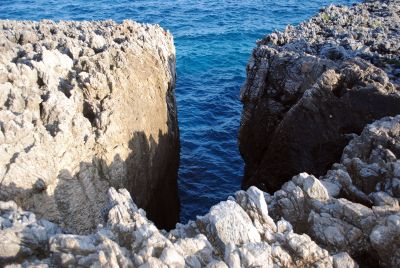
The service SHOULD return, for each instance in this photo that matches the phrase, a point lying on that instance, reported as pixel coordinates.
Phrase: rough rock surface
(85, 106)
(128, 239)
(349, 217)
(311, 87)
(355, 206)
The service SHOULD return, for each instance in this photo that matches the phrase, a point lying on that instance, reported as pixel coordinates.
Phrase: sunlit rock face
(85, 106)
(310, 88)
(233, 234)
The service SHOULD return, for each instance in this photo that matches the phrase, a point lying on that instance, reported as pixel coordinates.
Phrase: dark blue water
(214, 40)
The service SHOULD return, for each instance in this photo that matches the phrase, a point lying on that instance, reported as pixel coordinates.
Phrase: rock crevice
(86, 106)
(315, 132)
(310, 222)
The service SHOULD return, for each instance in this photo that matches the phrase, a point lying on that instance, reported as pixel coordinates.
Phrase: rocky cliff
(308, 223)
(310, 88)
(85, 106)
(347, 217)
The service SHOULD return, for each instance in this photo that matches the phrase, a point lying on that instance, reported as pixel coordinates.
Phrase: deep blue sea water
(214, 39)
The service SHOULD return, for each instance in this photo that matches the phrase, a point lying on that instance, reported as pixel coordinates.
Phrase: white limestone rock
(358, 214)
(228, 223)
(129, 239)
(85, 106)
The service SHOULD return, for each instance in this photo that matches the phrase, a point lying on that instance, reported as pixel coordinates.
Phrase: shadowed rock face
(310, 88)
(85, 106)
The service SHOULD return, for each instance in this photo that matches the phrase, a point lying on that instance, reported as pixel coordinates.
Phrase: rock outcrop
(67, 147)
(236, 233)
(355, 206)
(85, 106)
(310, 88)
(350, 217)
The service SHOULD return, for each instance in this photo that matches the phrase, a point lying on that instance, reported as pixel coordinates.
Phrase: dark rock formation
(85, 106)
(310, 88)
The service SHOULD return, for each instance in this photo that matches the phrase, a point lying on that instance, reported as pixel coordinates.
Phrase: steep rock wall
(310, 88)
(85, 106)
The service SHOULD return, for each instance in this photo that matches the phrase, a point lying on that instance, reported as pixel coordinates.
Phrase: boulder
(227, 223)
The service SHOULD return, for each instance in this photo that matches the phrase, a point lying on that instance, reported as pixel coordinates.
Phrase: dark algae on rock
(311, 87)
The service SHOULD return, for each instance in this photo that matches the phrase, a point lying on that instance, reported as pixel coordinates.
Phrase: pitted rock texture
(346, 219)
(129, 239)
(355, 206)
(311, 87)
(85, 106)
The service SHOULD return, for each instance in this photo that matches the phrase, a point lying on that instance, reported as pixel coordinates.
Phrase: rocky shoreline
(322, 98)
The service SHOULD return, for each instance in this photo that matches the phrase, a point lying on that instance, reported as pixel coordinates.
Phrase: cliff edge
(85, 106)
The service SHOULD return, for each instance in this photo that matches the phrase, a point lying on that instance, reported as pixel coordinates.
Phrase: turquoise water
(214, 40)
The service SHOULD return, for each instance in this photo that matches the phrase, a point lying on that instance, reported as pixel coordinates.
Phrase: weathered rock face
(310, 88)
(349, 217)
(85, 106)
(128, 239)
(355, 206)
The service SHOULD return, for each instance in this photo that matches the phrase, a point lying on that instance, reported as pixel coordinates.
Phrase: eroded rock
(305, 224)
(85, 106)
(360, 216)
(129, 239)
(350, 216)
(311, 87)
